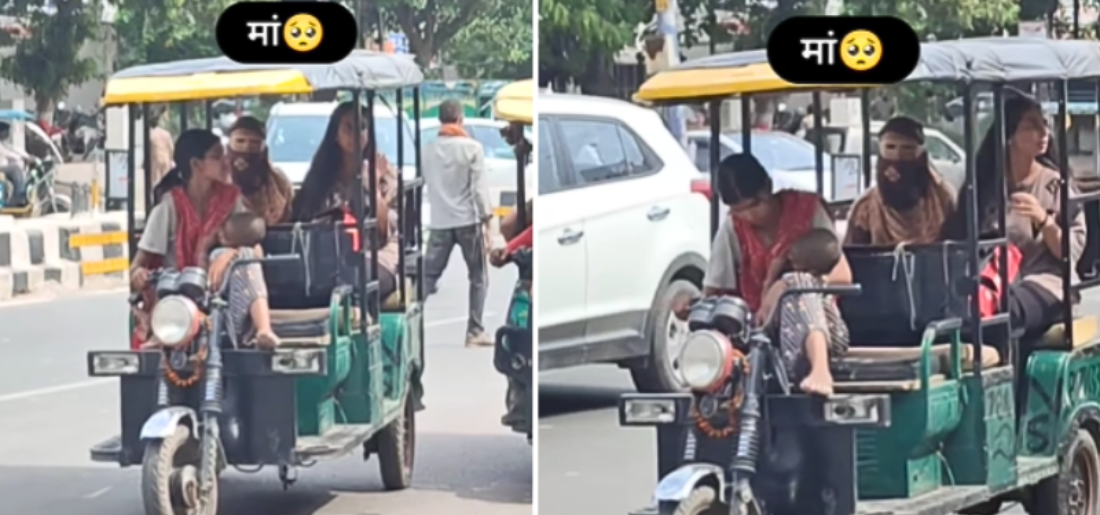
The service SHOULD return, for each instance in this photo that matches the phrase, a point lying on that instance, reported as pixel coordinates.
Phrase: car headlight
(175, 320)
(706, 360)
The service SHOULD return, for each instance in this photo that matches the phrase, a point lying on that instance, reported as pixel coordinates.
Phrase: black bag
(904, 289)
(327, 261)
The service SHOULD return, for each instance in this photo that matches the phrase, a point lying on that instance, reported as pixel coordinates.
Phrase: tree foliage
(47, 60)
(154, 31)
(497, 45)
(578, 37)
(430, 25)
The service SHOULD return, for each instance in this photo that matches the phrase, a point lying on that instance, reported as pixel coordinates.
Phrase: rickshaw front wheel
(397, 448)
(1074, 491)
(169, 480)
(702, 501)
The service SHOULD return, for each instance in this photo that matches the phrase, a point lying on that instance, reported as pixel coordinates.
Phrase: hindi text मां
(265, 31)
(820, 50)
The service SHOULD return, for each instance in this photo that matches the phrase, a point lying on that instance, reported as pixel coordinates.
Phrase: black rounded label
(286, 32)
(843, 50)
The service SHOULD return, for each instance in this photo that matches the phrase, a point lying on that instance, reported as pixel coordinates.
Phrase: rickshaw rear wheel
(397, 448)
(165, 484)
(1076, 488)
(702, 501)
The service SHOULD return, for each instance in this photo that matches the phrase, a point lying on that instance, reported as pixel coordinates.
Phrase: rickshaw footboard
(107, 451)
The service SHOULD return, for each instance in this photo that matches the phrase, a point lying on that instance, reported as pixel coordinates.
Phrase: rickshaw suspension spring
(748, 435)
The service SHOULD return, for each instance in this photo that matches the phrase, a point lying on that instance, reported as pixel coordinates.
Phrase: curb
(35, 254)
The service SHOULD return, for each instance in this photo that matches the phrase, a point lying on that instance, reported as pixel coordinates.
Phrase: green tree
(578, 38)
(156, 31)
(47, 60)
(497, 45)
(430, 25)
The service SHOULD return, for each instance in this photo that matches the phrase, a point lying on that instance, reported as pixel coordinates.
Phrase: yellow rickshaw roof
(515, 102)
(989, 60)
(219, 77)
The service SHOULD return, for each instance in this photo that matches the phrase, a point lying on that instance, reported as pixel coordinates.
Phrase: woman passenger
(909, 201)
(1034, 207)
(329, 187)
(749, 256)
(265, 189)
(193, 202)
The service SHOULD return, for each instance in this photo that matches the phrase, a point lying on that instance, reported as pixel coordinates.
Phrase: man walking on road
(454, 174)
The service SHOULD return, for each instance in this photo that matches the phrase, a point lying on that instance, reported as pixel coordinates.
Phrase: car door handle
(657, 213)
(569, 237)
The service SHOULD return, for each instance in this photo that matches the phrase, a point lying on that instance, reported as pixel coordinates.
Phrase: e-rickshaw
(347, 374)
(514, 104)
(926, 427)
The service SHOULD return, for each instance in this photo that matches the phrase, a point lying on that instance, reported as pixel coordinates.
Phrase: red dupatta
(796, 216)
(191, 230)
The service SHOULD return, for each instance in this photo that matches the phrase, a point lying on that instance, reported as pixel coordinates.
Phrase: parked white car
(945, 155)
(620, 235)
(500, 159)
(789, 160)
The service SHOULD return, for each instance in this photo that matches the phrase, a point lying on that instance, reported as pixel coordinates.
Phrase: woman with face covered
(265, 189)
(910, 201)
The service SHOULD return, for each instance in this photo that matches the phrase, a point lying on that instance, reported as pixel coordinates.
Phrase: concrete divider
(62, 251)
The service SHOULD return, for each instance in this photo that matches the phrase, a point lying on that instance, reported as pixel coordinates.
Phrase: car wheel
(660, 371)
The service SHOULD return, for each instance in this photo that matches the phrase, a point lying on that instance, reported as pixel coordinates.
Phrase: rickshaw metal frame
(219, 77)
(514, 103)
(745, 74)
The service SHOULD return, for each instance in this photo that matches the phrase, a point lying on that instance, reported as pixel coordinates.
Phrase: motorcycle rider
(13, 164)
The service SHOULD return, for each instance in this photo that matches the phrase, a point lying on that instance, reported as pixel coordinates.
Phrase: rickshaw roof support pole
(819, 145)
(360, 213)
(209, 115)
(185, 115)
(1000, 184)
(131, 187)
(715, 116)
(147, 156)
(865, 123)
(418, 204)
(972, 231)
(372, 210)
(1064, 215)
(400, 102)
(746, 125)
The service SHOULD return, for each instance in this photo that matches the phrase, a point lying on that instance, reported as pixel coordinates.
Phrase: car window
(549, 180)
(490, 138)
(596, 150)
(295, 138)
(938, 150)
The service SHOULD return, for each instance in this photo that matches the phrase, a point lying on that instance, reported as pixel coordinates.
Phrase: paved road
(591, 466)
(466, 462)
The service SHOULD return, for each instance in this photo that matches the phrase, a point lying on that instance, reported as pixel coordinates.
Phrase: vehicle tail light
(702, 186)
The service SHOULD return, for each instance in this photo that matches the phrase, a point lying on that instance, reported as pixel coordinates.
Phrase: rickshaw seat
(903, 385)
(305, 327)
(1085, 330)
(877, 364)
(393, 301)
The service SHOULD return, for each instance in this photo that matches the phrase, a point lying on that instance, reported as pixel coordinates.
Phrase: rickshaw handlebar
(135, 297)
(846, 290)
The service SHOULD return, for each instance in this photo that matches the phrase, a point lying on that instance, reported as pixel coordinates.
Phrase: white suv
(620, 235)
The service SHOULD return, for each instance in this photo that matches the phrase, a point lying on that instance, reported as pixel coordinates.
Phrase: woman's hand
(498, 257)
(218, 268)
(769, 302)
(139, 278)
(1027, 205)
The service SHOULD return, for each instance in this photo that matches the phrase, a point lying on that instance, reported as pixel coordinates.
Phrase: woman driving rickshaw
(512, 354)
(920, 421)
(268, 343)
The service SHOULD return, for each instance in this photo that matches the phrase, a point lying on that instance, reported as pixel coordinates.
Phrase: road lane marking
(17, 396)
(54, 389)
(98, 493)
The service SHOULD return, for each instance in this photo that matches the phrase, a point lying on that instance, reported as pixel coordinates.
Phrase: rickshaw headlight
(175, 320)
(705, 360)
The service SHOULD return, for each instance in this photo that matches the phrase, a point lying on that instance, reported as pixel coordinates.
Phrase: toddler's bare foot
(266, 340)
(819, 382)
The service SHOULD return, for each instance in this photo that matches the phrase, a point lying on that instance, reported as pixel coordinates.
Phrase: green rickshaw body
(937, 427)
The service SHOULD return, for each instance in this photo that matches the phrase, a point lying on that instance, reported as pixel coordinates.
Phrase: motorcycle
(41, 195)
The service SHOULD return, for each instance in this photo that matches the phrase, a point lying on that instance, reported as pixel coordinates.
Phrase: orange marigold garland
(732, 408)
